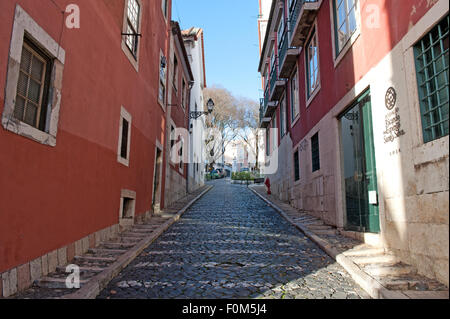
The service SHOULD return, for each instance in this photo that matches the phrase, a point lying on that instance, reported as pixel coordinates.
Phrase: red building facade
(83, 102)
(358, 93)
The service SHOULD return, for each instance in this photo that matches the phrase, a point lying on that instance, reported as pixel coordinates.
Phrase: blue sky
(231, 41)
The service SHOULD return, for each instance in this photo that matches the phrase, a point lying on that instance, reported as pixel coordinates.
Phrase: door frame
(359, 98)
(155, 198)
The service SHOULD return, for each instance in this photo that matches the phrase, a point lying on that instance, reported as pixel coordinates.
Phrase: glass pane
(37, 68)
(443, 95)
(352, 20)
(34, 91)
(25, 62)
(22, 84)
(30, 114)
(19, 108)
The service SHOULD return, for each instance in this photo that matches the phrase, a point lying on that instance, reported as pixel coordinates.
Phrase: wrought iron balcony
(277, 84)
(301, 17)
(263, 120)
(287, 56)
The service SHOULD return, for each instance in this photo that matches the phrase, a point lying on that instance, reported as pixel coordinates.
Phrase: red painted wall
(50, 197)
(396, 18)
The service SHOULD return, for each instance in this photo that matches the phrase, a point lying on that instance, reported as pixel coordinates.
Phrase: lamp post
(196, 114)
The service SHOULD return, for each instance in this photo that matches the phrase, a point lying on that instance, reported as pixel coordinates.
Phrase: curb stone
(370, 285)
(97, 283)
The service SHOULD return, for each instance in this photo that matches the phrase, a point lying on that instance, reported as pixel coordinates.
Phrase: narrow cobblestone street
(230, 244)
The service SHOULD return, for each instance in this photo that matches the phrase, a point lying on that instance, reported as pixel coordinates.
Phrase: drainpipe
(191, 85)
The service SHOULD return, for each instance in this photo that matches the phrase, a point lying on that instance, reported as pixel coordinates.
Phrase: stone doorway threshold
(381, 274)
(101, 264)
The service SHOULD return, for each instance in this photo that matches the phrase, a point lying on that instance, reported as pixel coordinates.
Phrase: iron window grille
(315, 152)
(432, 68)
(296, 166)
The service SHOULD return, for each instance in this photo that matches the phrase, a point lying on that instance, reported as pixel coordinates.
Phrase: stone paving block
(5, 284)
(70, 252)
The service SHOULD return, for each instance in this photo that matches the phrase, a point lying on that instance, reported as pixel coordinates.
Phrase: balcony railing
(273, 77)
(283, 47)
(301, 16)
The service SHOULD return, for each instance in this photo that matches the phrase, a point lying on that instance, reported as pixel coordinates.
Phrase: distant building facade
(195, 47)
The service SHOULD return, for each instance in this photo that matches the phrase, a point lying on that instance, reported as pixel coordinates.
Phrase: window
(344, 21)
(172, 137)
(123, 153)
(165, 7)
(296, 166)
(183, 94)
(280, 30)
(283, 117)
(268, 142)
(432, 66)
(127, 208)
(32, 86)
(295, 99)
(133, 16)
(124, 143)
(162, 79)
(312, 64)
(315, 152)
(32, 99)
(175, 72)
(180, 153)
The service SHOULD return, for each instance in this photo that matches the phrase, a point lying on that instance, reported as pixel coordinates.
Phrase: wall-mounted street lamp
(196, 114)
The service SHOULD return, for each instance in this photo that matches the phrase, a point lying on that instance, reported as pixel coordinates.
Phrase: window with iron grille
(344, 22)
(312, 64)
(162, 79)
(315, 152)
(32, 87)
(283, 130)
(296, 166)
(133, 14)
(124, 143)
(432, 68)
(123, 151)
(183, 94)
(175, 72)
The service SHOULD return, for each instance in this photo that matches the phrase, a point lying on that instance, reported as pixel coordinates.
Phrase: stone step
(381, 271)
(54, 283)
(102, 251)
(364, 252)
(313, 223)
(319, 227)
(93, 259)
(376, 259)
(133, 234)
(83, 270)
(143, 230)
(113, 245)
(324, 232)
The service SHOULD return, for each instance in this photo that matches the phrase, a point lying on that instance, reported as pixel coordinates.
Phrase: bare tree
(249, 127)
(223, 123)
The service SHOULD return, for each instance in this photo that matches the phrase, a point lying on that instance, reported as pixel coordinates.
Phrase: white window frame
(162, 80)
(134, 60)
(127, 116)
(165, 8)
(24, 23)
(295, 98)
(313, 32)
(338, 58)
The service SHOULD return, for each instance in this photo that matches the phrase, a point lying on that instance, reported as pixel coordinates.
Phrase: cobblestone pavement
(230, 244)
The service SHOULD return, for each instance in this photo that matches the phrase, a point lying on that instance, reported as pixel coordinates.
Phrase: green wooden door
(360, 177)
